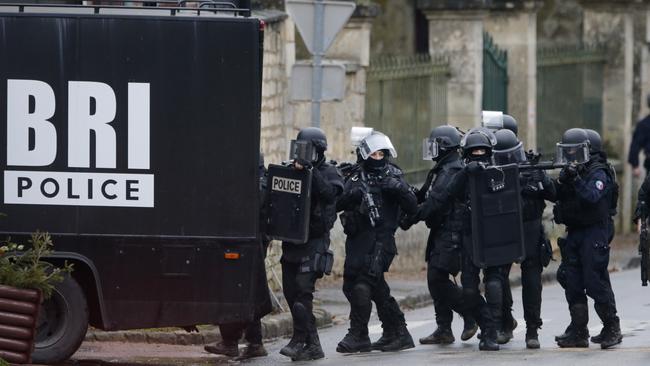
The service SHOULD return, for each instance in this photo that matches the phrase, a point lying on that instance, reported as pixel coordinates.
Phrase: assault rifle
(644, 251)
(533, 163)
(368, 201)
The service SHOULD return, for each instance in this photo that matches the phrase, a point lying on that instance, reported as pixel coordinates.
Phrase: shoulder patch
(600, 185)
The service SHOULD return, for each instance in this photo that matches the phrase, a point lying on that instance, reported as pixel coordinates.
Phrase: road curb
(273, 326)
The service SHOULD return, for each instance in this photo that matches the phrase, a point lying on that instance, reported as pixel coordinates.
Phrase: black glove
(473, 167)
(356, 193)
(306, 164)
(568, 174)
(393, 185)
(537, 175)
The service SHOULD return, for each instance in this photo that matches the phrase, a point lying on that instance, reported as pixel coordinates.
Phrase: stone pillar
(456, 31)
(612, 23)
(644, 110)
(515, 30)
(351, 47)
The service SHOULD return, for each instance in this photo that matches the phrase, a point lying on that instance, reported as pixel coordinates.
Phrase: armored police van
(131, 134)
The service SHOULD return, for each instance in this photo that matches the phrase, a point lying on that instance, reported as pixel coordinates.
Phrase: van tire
(62, 323)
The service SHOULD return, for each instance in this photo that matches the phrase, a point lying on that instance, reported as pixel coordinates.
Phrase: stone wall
(279, 56)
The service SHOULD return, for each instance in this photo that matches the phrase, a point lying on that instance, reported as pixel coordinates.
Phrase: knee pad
(562, 277)
(470, 296)
(493, 291)
(361, 293)
(299, 311)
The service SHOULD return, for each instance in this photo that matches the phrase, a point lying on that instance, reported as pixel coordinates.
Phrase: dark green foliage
(23, 268)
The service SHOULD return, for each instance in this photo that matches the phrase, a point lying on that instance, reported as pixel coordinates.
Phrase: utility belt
(319, 263)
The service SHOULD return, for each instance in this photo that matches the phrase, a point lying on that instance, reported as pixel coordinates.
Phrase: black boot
(566, 333)
(402, 340)
(469, 328)
(353, 342)
(598, 338)
(532, 340)
(253, 350)
(578, 335)
(611, 334)
(488, 340)
(312, 349)
(442, 335)
(505, 335)
(221, 348)
(387, 336)
(295, 345)
(299, 338)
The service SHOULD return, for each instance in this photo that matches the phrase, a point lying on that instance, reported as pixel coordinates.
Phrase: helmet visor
(376, 142)
(481, 130)
(572, 153)
(357, 134)
(512, 155)
(492, 120)
(302, 150)
(430, 149)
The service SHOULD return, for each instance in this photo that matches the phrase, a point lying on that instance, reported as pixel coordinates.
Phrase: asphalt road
(634, 310)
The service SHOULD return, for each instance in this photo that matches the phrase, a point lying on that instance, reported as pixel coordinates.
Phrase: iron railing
(406, 97)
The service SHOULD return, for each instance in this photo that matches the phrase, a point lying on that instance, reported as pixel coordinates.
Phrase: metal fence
(406, 97)
(495, 76)
(569, 91)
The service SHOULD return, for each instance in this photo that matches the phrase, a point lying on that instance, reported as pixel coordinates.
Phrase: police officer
(586, 195)
(232, 333)
(640, 141)
(373, 197)
(444, 246)
(477, 148)
(302, 264)
(536, 187)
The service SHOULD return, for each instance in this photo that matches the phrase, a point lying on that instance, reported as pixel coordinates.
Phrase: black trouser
(487, 311)
(232, 333)
(583, 271)
(299, 288)
(447, 296)
(360, 290)
(531, 293)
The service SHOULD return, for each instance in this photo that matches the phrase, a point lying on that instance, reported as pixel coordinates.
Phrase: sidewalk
(331, 306)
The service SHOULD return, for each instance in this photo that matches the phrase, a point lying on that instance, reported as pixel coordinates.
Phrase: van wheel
(62, 323)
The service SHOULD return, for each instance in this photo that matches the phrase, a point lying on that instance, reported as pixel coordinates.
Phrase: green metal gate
(495, 76)
(569, 91)
(406, 97)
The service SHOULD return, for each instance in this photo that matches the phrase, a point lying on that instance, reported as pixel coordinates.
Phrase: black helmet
(510, 123)
(448, 137)
(441, 140)
(574, 147)
(314, 135)
(595, 142)
(508, 149)
(477, 139)
(575, 136)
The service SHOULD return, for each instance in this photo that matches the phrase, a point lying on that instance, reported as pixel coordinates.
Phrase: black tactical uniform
(232, 333)
(444, 246)
(299, 268)
(536, 188)
(370, 249)
(586, 196)
(477, 149)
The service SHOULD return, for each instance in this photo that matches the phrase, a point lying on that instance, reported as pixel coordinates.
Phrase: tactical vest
(452, 218)
(574, 211)
(322, 216)
(533, 208)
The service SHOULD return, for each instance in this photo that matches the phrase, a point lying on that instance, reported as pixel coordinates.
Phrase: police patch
(600, 185)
